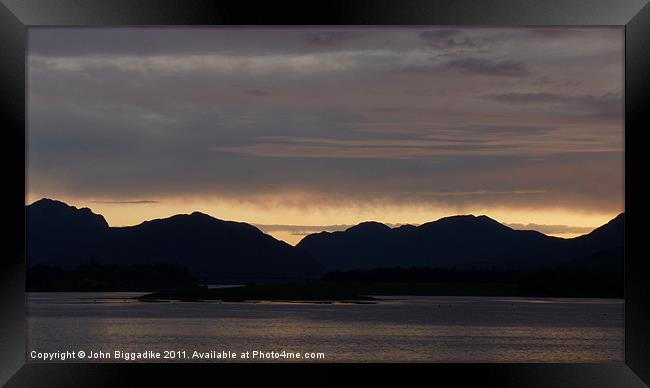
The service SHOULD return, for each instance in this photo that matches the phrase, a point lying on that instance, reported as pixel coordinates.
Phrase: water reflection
(400, 329)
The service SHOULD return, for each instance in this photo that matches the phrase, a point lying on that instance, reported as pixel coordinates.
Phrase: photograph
(341, 194)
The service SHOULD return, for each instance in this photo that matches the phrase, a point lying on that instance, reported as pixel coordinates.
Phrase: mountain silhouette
(607, 236)
(462, 242)
(64, 236)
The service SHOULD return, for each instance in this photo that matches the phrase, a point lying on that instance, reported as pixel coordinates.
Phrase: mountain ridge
(58, 234)
(456, 241)
(64, 235)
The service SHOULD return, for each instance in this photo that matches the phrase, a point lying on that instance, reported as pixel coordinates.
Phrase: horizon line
(583, 230)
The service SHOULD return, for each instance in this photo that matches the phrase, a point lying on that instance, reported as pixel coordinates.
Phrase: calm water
(401, 329)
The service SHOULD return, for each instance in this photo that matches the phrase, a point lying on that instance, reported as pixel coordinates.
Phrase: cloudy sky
(298, 130)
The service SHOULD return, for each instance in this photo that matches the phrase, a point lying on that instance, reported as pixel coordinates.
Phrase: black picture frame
(16, 16)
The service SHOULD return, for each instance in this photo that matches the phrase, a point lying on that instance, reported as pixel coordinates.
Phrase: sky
(298, 130)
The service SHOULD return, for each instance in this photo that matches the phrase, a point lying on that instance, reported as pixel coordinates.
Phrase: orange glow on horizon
(126, 214)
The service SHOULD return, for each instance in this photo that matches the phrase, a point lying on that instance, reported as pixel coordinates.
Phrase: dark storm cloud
(470, 66)
(342, 115)
(145, 41)
(330, 38)
(121, 41)
(605, 105)
(557, 33)
(482, 66)
(447, 39)
(257, 92)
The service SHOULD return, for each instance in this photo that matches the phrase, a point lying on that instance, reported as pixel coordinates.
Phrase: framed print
(446, 189)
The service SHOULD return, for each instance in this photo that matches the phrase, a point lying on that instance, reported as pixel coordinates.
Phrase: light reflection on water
(399, 329)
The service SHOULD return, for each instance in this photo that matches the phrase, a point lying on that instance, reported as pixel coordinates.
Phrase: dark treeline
(422, 275)
(558, 282)
(97, 277)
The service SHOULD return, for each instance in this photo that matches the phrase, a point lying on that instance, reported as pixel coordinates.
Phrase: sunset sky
(298, 130)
